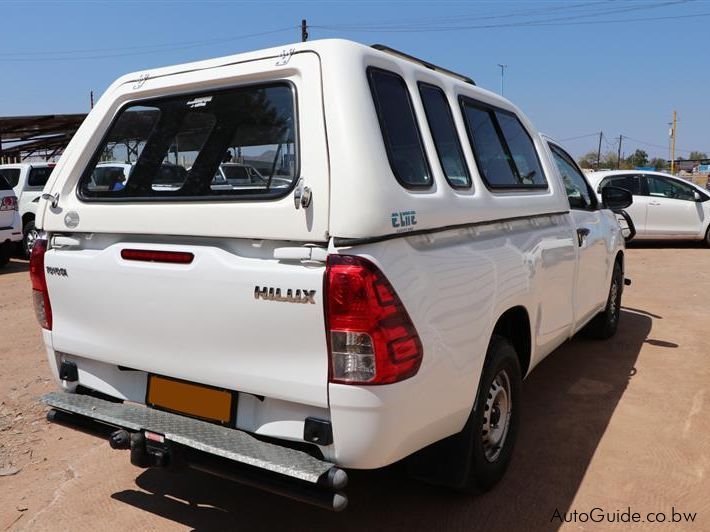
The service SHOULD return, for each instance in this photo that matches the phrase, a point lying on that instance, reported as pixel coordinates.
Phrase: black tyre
(29, 235)
(706, 241)
(5, 253)
(492, 427)
(605, 324)
(475, 459)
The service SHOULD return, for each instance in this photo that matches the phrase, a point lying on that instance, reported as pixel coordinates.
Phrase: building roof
(23, 136)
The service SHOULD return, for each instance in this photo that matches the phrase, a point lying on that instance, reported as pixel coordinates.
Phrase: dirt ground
(608, 425)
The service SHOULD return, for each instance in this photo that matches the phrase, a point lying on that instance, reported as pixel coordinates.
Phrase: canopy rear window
(187, 147)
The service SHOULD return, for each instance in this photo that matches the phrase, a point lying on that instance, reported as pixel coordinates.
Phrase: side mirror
(697, 196)
(616, 198)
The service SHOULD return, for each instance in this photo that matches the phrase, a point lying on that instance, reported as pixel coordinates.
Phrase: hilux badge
(268, 293)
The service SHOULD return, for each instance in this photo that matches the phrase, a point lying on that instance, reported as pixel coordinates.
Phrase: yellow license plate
(195, 400)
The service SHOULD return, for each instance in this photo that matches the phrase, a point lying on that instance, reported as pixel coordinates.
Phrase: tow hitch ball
(147, 449)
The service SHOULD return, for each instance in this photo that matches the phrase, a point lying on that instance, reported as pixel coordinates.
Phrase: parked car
(424, 249)
(239, 175)
(10, 229)
(664, 206)
(27, 180)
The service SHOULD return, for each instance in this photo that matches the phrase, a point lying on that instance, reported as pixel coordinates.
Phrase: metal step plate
(229, 443)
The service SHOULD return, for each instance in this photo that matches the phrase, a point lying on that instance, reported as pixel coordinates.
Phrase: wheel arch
(514, 325)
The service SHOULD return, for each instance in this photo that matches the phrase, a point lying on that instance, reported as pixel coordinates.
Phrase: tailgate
(201, 321)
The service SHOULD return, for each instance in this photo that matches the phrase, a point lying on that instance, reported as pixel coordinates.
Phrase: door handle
(654, 203)
(582, 234)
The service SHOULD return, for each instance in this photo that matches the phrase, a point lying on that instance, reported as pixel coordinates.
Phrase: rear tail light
(372, 340)
(40, 295)
(8, 203)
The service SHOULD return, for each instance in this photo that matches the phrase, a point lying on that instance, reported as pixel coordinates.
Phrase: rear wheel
(476, 458)
(492, 427)
(29, 236)
(605, 324)
(706, 240)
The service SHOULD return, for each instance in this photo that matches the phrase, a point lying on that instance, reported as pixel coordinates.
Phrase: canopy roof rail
(384, 48)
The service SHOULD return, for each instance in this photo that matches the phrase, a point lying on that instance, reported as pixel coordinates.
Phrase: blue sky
(571, 70)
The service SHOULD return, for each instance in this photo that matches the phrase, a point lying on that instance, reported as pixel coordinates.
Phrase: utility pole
(599, 149)
(304, 30)
(91, 98)
(618, 154)
(673, 134)
(502, 76)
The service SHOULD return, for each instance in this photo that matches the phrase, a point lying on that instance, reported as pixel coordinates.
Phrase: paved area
(607, 425)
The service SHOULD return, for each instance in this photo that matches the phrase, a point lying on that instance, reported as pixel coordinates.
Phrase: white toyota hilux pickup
(412, 250)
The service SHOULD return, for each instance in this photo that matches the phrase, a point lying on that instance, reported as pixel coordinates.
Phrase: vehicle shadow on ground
(568, 402)
(14, 266)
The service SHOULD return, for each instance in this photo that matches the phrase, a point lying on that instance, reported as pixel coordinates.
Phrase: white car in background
(10, 229)
(27, 180)
(664, 207)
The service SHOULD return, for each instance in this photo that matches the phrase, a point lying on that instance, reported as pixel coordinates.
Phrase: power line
(463, 17)
(655, 145)
(560, 21)
(580, 136)
(195, 44)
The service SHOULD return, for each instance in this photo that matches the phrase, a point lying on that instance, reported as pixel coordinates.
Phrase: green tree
(658, 163)
(609, 160)
(588, 160)
(698, 155)
(638, 158)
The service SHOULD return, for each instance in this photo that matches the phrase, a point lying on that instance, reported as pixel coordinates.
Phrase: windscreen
(38, 177)
(177, 146)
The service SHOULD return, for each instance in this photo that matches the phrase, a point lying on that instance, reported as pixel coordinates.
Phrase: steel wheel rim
(30, 239)
(496, 416)
(613, 296)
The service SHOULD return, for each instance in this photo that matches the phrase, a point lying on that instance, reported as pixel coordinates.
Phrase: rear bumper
(223, 451)
(13, 234)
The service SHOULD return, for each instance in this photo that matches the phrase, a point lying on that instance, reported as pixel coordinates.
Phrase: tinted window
(578, 192)
(11, 175)
(174, 146)
(38, 176)
(505, 153)
(443, 131)
(521, 149)
(628, 182)
(669, 188)
(491, 157)
(4, 184)
(399, 128)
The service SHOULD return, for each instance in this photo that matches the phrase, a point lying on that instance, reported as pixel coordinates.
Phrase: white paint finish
(669, 216)
(455, 285)
(10, 224)
(109, 379)
(198, 322)
(594, 262)
(272, 417)
(233, 219)
(201, 322)
(365, 192)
